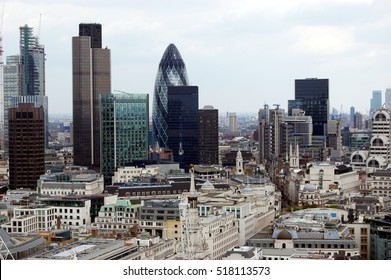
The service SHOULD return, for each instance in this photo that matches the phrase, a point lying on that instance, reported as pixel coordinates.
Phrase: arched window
(373, 163)
(377, 142)
(357, 158)
(380, 117)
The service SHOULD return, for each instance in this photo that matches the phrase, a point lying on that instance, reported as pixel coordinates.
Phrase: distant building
(312, 96)
(376, 101)
(387, 96)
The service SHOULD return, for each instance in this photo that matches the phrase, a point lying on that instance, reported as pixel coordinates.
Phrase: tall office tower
(171, 72)
(352, 113)
(91, 77)
(26, 145)
(387, 96)
(124, 130)
(270, 136)
(334, 139)
(233, 123)
(358, 120)
(32, 59)
(32, 56)
(209, 135)
(299, 129)
(312, 96)
(375, 101)
(182, 124)
(12, 88)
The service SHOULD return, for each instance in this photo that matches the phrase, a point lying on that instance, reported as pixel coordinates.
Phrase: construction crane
(1, 33)
(5, 253)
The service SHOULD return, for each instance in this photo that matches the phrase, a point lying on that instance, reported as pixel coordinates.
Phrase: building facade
(209, 135)
(171, 72)
(312, 96)
(26, 145)
(124, 130)
(91, 77)
(182, 124)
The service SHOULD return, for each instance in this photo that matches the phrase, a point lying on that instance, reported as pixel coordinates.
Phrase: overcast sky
(242, 54)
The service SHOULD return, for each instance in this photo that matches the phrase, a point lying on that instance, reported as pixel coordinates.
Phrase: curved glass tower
(171, 72)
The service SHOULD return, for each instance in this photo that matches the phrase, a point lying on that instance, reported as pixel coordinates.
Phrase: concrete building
(243, 253)
(380, 238)
(209, 135)
(128, 173)
(330, 176)
(120, 218)
(85, 182)
(317, 230)
(29, 219)
(379, 154)
(379, 183)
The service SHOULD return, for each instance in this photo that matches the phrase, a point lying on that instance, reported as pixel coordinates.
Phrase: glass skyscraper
(312, 96)
(175, 109)
(124, 130)
(171, 72)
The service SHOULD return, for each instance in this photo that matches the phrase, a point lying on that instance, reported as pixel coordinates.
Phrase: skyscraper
(209, 135)
(12, 88)
(352, 113)
(182, 124)
(26, 145)
(124, 130)
(175, 109)
(312, 95)
(387, 96)
(91, 77)
(171, 72)
(376, 101)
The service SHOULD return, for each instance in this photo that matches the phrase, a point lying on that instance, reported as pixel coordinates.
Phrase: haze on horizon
(241, 54)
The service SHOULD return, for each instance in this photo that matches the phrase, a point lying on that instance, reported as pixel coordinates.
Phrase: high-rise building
(175, 109)
(171, 72)
(376, 101)
(124, 130)
(358, 120)
(312, 96)
(209, 135)
(182, 124)
(91, 77)
(12, 88)
(233, 123)
(26, 145)
(352, 113)
(32, 56)
(387, 96)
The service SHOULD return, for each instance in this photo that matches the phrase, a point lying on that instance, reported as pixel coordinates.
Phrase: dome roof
(207, 186)
(309, 188)
(284, 234)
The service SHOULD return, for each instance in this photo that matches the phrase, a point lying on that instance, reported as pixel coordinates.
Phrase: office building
(26, 145)
(376, 101)
(124, 130)
(171, 72)
(312, 96)
(387, 96)
(91, 77)
(12, 88)
(209, 135)
(182, 124)
(352, 113)
(233, 123)
(358, 121)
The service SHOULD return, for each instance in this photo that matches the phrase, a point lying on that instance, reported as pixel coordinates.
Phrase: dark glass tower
(91, 77)
(182, 124)
(312, 95)
(171, 72)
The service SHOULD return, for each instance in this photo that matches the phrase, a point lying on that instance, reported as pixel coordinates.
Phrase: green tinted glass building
(124, 130)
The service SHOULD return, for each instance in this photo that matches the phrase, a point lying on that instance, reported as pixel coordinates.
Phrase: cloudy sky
(242, 54)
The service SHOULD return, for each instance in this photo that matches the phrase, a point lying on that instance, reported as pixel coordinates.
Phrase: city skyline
(255, 50)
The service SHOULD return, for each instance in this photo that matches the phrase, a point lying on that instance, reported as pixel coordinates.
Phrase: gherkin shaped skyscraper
(171, 72)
